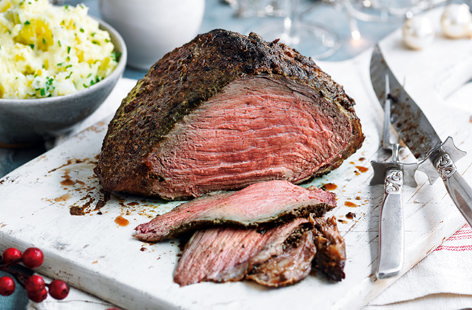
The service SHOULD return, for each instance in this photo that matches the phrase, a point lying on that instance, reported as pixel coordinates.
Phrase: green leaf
(115, 56)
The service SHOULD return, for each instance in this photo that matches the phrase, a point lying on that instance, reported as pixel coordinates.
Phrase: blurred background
(329, 30)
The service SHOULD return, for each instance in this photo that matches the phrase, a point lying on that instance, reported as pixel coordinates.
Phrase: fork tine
(386, 141)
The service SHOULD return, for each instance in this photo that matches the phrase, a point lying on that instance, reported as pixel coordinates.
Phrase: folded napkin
(442, 280)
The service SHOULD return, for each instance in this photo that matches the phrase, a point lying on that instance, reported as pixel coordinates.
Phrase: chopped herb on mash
(49, 50)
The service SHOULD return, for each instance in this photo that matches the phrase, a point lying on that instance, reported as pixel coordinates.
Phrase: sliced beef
(260, 203)
(223, 112)
(227, 254)
(279, 256)
(218, 254)
(286, 262)
(331, 255)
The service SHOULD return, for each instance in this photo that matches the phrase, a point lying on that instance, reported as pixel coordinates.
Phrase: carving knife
(437, 158)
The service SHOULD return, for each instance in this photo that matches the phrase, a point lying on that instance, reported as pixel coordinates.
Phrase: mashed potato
(50, 51)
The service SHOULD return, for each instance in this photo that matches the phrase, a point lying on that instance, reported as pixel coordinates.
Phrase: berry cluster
(35, 286)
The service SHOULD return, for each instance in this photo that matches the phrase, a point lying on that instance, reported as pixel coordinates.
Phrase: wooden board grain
(98, 255)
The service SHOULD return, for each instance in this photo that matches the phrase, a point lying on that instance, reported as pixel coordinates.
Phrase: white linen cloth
(443, 280)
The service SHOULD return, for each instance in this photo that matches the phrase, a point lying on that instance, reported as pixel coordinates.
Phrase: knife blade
(413, 127)
(407, 118)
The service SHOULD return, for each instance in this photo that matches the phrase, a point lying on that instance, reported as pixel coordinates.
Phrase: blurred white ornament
(456, 21)
(418, 32)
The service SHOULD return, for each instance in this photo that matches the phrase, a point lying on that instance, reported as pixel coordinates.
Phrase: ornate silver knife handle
(441, 163)
(445, 166)
(456, 186)
(391, 226)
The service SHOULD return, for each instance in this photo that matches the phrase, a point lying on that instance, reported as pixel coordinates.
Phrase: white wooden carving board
(97, 255)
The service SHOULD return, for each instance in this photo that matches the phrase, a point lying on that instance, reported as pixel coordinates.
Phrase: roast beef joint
(236, 122)
(225, 111)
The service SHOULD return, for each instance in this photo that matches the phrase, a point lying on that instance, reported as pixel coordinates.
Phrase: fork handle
(391, 232)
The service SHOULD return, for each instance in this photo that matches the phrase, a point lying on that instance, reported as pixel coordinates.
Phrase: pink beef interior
(256, 129)
(218, 254)
(259, 203)
(224, 254)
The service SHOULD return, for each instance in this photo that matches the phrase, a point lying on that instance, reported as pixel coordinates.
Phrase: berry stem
(19, 272)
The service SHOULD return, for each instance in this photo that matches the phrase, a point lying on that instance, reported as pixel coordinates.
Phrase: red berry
(11, 256)
(38, 296)
(35, 283)
(33, 257)
(58, 289)
(7, 286)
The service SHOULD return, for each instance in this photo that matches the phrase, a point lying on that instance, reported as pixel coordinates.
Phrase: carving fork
(392, 174)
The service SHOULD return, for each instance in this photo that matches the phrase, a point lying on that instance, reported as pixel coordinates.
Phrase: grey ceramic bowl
(26, 121)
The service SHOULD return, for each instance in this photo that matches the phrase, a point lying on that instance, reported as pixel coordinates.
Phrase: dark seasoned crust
(317, 210)
(331, 249)
(183, 79)
(284, 264)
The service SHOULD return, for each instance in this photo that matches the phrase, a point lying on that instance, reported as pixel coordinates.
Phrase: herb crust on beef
(187, 78)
